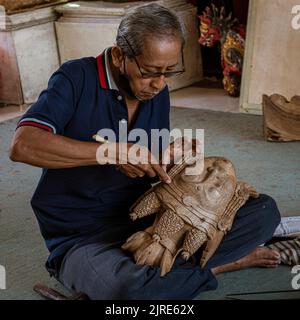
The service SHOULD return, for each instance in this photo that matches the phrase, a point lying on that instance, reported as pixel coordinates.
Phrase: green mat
(272, 168)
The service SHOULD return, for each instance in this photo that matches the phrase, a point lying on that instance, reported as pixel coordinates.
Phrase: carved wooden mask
(193, 212)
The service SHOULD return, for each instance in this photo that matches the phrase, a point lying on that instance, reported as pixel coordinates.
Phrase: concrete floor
(273, 168)
(213, 99)
(11, 112)
(206, 95)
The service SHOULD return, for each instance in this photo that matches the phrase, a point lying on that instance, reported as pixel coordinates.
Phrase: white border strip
(41, 122)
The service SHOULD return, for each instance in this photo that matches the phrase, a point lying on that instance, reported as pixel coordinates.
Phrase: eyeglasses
(147, 75)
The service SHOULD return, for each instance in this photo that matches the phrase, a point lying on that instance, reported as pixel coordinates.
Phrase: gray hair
(142, 22)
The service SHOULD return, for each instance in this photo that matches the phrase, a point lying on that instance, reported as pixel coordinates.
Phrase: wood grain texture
(281, 118)
(191, 212)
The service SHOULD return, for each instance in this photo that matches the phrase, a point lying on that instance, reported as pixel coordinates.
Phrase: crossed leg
(258, 230)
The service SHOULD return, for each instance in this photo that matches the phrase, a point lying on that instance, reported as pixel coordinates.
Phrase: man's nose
(158, 83)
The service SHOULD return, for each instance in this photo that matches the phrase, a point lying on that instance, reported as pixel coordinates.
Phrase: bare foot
(260, 257)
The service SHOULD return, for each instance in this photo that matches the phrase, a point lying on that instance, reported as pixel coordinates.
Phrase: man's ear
(117, 56)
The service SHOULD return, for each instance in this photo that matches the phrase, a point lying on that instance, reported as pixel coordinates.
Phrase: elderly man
(82, 206)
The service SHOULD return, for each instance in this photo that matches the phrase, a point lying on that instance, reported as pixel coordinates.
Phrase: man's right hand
(132, 159)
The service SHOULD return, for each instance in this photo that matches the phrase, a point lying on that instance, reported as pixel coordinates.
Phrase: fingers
(150, 166)
(147, 169)
(131, 170)
(179, 148)
(140, 162)
(127, 173)
(164, 166)
(134, 171)
(163, 176)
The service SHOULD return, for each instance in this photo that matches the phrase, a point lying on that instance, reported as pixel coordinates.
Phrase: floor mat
(272, 168)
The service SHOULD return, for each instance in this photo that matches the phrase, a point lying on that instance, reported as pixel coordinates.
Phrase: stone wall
(28, 54)
(12, 6)
(90, 27)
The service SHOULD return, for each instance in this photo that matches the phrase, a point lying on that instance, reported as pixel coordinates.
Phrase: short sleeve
(57, 104)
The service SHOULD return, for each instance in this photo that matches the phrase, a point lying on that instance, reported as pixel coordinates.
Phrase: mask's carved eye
(210, 169)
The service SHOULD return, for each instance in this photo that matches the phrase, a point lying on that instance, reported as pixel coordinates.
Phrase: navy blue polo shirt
(75, 203)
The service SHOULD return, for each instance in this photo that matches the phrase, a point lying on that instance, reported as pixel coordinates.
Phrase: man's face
(158, 56)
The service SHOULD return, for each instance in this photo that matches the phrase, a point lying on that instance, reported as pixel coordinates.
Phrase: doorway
(209, 93)
(211, 56)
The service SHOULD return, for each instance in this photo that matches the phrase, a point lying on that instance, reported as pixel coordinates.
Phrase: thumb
(164, 167)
